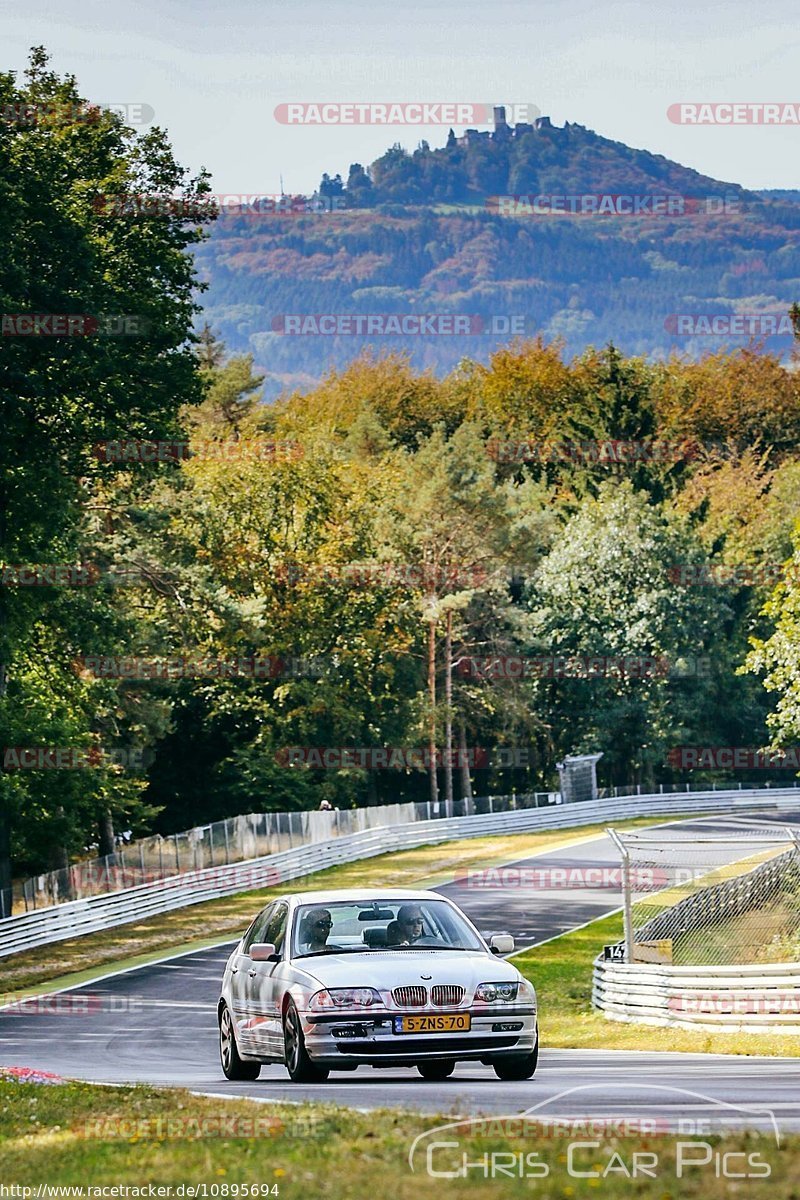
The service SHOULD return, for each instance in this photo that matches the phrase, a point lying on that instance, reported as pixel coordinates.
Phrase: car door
(242, 982)
(265, 990)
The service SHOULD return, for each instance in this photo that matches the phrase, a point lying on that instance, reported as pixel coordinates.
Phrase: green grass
(88, 1136)
(561, 971)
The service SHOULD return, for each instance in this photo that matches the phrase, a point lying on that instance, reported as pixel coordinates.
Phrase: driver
(316, 927)
(410, 924)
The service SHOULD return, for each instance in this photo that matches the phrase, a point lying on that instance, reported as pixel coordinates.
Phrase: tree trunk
(432, 720)
(5, 859)
(108, 844)
(466, 782)
(448, 716)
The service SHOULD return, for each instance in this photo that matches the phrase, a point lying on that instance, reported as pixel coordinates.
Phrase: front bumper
(345, 1038)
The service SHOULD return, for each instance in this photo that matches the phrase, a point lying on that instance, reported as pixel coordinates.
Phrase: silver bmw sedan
(332, 980)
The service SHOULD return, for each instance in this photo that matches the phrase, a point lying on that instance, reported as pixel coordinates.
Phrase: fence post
(141, 859)
(627, 913)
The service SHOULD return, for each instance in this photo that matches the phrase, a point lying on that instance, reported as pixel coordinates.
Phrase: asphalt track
(157, 1024)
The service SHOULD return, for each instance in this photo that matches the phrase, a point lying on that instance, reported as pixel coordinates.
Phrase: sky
(214, 73)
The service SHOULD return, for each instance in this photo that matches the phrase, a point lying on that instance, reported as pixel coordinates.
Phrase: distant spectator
(325, 806)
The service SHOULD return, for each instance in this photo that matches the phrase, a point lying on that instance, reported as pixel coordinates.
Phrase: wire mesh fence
(711, 895)
(251, 835)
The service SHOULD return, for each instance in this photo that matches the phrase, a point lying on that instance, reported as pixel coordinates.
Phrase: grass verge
(78, 960)
(85, 1136)
(561, 971)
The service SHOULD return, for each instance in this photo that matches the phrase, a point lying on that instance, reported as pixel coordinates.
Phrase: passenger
(394, 934)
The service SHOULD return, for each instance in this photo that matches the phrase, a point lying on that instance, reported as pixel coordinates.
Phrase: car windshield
(363, 926)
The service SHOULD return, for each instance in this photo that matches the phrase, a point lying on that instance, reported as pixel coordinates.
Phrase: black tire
(300, 1067)
(517, 1067)
(436, 1070)
(233, 1067)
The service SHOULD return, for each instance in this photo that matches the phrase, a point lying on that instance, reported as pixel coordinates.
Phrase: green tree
(605, 591)
(67, 249)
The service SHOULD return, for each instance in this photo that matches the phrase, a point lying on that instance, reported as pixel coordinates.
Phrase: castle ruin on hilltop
(502, 131)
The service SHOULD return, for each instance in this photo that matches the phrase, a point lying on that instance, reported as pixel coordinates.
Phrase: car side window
(256, 931)
(276, 927)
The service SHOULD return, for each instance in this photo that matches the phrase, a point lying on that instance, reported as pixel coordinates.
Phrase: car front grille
(410, 997)
(446, 993)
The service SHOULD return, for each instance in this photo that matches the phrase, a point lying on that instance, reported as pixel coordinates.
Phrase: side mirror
(264, 952)
(501, 943)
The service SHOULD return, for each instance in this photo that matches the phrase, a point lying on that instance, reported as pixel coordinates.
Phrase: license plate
(433, 1023)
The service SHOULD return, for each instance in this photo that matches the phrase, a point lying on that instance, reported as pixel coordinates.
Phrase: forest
(537, 555)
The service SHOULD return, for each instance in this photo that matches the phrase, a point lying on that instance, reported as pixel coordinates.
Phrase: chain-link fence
(711, 895)
(237, 839)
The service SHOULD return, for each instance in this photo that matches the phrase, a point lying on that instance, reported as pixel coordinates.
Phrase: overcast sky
(214, 71)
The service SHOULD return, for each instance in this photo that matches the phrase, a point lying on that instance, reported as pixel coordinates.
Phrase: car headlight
(489, 992)
(359, 997)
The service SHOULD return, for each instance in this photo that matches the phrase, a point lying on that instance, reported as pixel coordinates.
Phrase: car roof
(356, 894)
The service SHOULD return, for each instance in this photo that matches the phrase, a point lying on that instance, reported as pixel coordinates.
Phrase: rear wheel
(436, 1070)
(233, 1067)
(300, 1067)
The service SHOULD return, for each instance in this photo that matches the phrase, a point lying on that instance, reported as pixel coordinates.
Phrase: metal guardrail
(253, 835)
(236, 839)
(79, 917)
(758, 998)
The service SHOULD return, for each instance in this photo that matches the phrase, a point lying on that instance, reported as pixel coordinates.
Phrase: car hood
(382, 969)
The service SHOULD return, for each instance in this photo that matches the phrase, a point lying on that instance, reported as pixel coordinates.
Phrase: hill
(551, 230)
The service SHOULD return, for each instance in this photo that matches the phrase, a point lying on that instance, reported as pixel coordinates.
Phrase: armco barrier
(762, 998)
(63, 921)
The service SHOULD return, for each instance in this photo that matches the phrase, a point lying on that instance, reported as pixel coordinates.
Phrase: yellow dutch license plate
(433, 1023)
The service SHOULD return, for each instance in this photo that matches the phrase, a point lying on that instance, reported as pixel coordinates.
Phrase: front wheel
(233, 1067)
(300, 1067)
(436, 1070)
(517, 1066)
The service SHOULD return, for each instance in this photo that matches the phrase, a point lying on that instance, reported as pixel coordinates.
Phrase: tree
(71, 247)
(605, 592)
